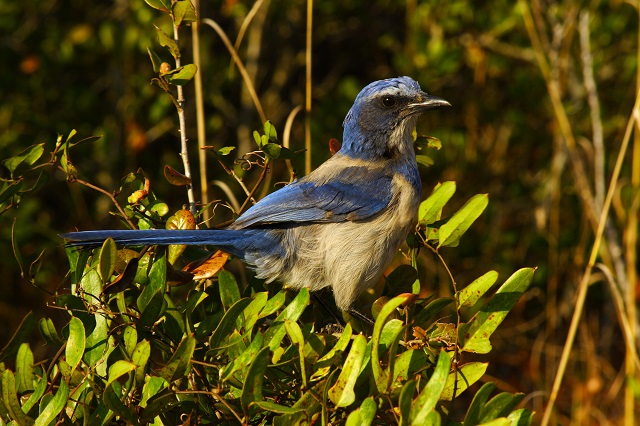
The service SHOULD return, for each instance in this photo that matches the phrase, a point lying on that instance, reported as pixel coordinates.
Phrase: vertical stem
(184, 152)
(307, 105)
(631, 245)
(202, 136)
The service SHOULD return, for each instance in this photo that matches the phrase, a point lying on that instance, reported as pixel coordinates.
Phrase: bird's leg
(361, 316)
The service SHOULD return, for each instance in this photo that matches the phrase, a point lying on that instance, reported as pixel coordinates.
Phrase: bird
(340, 225)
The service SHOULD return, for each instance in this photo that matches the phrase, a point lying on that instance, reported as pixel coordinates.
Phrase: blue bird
(337, 227)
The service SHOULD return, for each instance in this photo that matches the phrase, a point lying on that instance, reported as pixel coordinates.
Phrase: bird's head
(383, 116)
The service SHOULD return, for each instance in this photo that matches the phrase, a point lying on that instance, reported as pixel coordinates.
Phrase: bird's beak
(426, 102)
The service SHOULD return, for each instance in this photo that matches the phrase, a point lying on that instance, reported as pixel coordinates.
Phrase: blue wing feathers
(355, 193)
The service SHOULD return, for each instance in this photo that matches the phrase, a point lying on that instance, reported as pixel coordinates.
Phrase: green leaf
(270, 131)
(41, 387)
(226, 325)
(450, 232)
(228, 287)
(405, 401)
(130, 339)
(500, 406)
(108, 259)
(272, 150)
(273, 304)
(112, 399)
(226, 150)
(182, 75)
(363, 415)
(183, 11)
(469, 295)
(19, 337)
(55, 405)
(295, 334)
(163, 5)
(379, 376)
(521, 417)
(10, 399)
(180, 361)
(49, 332)
(140, 357)
(323, 365)
(292, 312)
(475, 335)
(119, 369)
(459, 381)
(430, 209)
(252, 388)
(155, 60)
(158, 405)
(244, 359)
(426, 401)
(277, 408)
(407, 364)
(21, 162)
(24, 369)
(9, 189)
(96, 342)
(76, 343)
(342, 393)
(152, 387)
(477, 404)
(167, 42)
(424, 160)
(157, 281)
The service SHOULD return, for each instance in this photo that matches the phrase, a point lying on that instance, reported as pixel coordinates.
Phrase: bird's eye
(388, 101)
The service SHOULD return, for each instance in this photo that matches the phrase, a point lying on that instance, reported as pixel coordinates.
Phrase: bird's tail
(236, 242)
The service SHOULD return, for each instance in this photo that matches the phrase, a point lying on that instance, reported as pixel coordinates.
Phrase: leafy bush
(143, 342)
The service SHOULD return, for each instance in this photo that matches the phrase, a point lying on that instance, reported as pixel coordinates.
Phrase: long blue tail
(236, 242)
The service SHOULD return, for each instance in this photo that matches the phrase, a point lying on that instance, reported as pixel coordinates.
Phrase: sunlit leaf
(252, 388)
(167, 42)
(76, 343)
(466, 375)
(426, 401)
(180, 360)
(183, 12)
(469, 295)
(460, 222)
(24, 369)
(163, 5)
(182, 75)
(430, 209)
(475, 334)
(342, 393)
(21, 162)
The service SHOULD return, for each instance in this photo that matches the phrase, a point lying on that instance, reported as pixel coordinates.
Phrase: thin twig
(594, 107)
(184, 151)
(202, 136)
(245, 76)
(307, 104)
(108, 194)
(255, 188)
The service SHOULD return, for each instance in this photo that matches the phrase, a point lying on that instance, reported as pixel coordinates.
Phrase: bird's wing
(353, 193)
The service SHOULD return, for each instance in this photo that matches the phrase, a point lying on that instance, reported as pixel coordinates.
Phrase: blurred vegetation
(530, 126)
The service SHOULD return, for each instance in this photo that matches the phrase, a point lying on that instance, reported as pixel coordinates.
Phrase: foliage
(138, 347)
